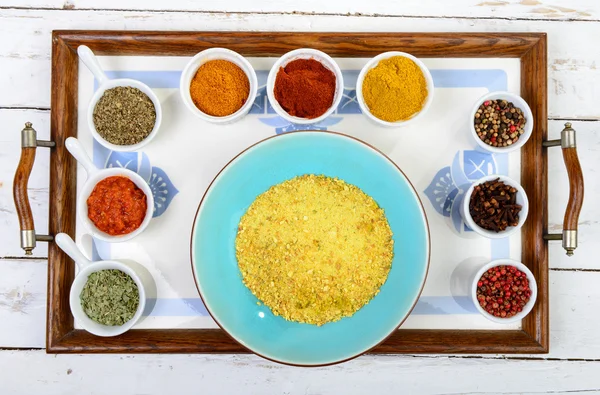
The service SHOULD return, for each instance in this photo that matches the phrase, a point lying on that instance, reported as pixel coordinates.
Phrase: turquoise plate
(270, 162)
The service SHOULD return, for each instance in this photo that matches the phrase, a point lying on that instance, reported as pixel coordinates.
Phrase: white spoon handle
(70, 248)
(89, 59)
(76, 149)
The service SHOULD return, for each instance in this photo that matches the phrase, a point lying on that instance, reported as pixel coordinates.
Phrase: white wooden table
(573, 365)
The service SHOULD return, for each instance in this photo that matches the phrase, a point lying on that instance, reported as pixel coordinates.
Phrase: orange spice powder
(219, 88)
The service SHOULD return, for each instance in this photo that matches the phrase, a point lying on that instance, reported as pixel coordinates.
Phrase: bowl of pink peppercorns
(501, 122)
(504, 291)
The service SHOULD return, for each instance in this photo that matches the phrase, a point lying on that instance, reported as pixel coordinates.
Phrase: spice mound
(110, 297)
(395, 89)
(314, 249)
(503, 291)
(499, 123)
(117, 206)
(219, 88)
(124, 115)
(305, 88)
(493, 205)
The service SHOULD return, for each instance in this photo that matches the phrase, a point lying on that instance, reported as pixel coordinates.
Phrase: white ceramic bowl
(217, 54)
(305, 53)
(518, 102)
(521, 199)
(104, 83)
(532, 285)
(96, 175)
(373, 63)
(86, 267)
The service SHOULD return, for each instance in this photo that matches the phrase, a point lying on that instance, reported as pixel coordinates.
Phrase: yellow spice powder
(314, 249)
(395, 89)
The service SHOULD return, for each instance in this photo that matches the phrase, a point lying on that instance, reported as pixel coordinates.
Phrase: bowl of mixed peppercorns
(501, 122)
(504, 291)
(495, 206)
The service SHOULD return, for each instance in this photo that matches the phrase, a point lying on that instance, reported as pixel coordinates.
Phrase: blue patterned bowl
(270, 162)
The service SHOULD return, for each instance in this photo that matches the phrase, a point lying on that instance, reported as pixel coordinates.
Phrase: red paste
(117, 206)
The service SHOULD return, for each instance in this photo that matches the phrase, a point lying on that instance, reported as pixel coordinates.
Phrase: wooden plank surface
(33, 372)
(571, 62)
(523, 9)
(22, 303)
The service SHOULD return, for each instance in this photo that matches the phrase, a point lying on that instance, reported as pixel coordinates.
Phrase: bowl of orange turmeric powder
(218, 85)
(394, 89)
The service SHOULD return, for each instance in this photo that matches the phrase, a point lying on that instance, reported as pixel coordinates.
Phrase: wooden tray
(62, 337)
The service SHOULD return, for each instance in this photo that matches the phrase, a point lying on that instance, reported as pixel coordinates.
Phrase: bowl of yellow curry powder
(394, 89)
(310, 248)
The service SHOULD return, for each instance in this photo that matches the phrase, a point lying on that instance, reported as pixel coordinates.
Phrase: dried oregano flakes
(110, 297)
(124, 115)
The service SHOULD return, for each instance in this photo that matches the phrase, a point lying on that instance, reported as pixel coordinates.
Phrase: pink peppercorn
(503, 291)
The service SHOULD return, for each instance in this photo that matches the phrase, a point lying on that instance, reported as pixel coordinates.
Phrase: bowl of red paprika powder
(305, 86)
(504, 291)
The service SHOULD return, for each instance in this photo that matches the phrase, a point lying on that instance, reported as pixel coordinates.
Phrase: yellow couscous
(314, 249)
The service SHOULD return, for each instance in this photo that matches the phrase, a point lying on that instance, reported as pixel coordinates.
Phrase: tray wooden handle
(575, 188)
(569, 151)
(29, 144)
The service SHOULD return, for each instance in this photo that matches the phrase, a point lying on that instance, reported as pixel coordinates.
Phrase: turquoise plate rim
(392, 330)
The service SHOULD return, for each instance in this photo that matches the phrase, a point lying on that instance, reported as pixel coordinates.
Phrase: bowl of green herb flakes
(107, 297)
(123, 114)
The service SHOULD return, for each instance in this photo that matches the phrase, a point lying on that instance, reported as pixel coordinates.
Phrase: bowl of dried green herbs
(107, 297)
(123, 114)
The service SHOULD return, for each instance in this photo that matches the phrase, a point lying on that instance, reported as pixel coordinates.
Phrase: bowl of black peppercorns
(501, 122)
(495, 206)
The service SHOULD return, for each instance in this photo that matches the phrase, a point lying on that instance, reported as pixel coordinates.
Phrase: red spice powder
(305, 88)
(117, 206)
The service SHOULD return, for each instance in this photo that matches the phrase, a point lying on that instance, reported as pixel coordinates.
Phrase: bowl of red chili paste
(504, 291)
(305, 86)
(115, 204)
